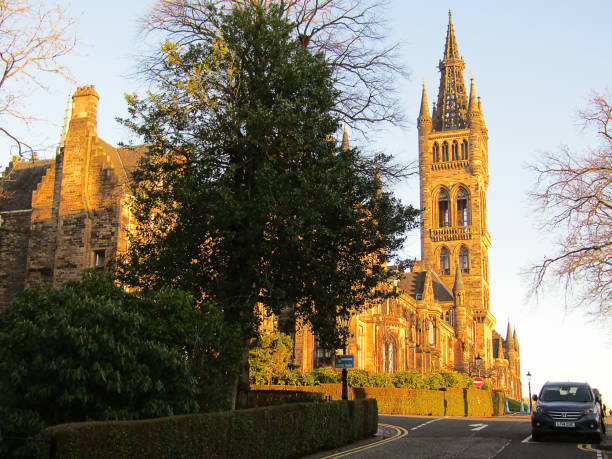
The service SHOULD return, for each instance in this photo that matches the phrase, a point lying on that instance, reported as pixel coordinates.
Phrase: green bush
(326, 375)
(408, 379)
(259, 432)
(359, 378)
(91, 351)
(77, 353)
(269, 357)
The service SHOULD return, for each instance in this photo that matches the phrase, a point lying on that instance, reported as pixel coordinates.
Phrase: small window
(436, 152)
(455, 151)
(99, 258)
(445, 261)
(463, 217)
(443, 213)
(464, 150)
(464, 260)
(432, 333)
(445, 152)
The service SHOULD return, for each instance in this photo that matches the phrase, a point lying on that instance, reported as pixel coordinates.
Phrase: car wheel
(536, 436)
(596, 438)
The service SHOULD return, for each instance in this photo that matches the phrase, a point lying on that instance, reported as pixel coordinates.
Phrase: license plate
(565, 424)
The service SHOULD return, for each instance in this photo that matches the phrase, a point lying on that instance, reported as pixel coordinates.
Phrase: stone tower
(453, 183)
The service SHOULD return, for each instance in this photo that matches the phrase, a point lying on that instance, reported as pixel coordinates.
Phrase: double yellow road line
(400, 432)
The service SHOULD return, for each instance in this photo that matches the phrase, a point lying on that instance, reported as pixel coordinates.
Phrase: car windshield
(566, 393)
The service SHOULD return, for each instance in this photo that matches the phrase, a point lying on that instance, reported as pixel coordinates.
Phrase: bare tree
(575, 194)
(349, 32)
(33, 39)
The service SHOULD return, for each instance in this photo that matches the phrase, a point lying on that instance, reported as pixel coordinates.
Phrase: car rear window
(566, 393)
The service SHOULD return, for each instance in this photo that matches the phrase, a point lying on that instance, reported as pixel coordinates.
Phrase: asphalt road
(507, 437)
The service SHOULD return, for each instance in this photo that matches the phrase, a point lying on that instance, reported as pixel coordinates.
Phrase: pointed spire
(473, 106)
(458, 280)
(452, 104)
(501, 348)
(450, 50)
(424, 104)
(473, 113)
(509, 334)
(515, 339)
(424, 120)
(345, 138)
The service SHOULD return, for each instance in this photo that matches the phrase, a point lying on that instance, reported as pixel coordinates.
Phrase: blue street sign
(344, 361)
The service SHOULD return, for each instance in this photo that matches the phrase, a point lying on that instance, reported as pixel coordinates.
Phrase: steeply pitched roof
(19, 181)
(414, 284)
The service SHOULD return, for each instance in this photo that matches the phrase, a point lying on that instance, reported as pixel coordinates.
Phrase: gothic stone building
(60, 216)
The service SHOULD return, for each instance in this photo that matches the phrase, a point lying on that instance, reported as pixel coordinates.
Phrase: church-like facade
(442, 317)
(60, 216)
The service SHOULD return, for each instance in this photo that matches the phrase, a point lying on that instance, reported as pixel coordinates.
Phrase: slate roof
(19, 181)
(414, 283)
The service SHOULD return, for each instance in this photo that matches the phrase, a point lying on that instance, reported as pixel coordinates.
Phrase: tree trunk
(241, 385)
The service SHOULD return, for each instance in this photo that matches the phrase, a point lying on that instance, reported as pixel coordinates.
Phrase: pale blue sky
(533, 63)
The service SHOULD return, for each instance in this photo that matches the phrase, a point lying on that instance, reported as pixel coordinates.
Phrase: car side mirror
(535, 397)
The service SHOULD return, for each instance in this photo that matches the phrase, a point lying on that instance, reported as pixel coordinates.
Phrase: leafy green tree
(242, 198)
(79, 353)
(269, 357)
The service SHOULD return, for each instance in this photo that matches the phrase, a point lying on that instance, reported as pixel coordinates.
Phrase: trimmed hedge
(405, 401)
(454, 402)
(444, 402)
(478, 402)
(332, 390)
(514, 405)
(499, 403)
(259, 398)
(277, 431)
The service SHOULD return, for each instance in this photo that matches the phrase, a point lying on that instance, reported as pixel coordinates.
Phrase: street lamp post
(529, 385)
(344, 324)
(478, 362)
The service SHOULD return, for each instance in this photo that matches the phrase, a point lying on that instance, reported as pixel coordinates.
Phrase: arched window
(445, 152)
(436, 152)
(432, 333)
(463, 214)
(389, 355)
(455, 151)
(464, 150)
(443, 213)
(444, 261)
(464, 260)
